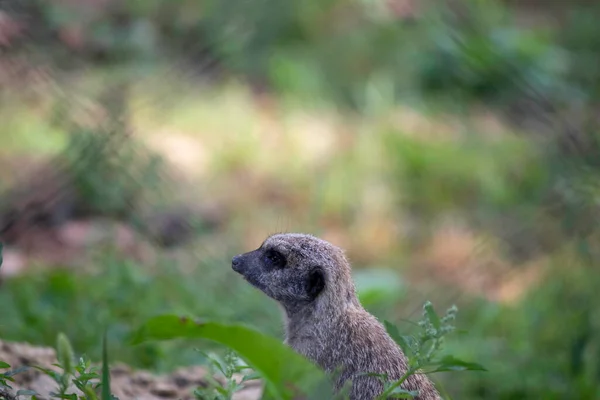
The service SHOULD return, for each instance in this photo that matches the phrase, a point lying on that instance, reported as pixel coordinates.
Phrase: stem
(394, 385)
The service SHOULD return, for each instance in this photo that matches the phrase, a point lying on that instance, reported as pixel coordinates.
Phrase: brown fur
(325, 322)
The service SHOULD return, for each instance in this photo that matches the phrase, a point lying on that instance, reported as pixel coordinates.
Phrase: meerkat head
(298, 270)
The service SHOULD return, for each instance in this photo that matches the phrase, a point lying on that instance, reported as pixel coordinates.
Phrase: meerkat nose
(236, 263)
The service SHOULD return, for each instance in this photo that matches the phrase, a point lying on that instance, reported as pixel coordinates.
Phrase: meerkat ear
(315, 283)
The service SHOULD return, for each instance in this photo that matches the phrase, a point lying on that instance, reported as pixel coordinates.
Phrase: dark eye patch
(274, 259)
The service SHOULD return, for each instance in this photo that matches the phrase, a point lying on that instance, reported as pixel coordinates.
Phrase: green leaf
(400, 393)
(105, 372)
(24, 392)
(221, 390)
(278, 364)
(403, 341)
(89, 393)
(87, 376)
(251, 377)
(392, 330)
(220, 366)
(16, 371)
(432, 316)
(322, 391)
(451, 363)
(4, 365)
(383, 378)
(52, 374)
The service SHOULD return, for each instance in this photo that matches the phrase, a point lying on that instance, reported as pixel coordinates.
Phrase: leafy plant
(82, 375)
(229, 366)
(284, 371)
(106, 393)
(423, 351)
(5, 378)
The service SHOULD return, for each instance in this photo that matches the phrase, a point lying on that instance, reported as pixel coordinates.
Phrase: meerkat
(324, 321)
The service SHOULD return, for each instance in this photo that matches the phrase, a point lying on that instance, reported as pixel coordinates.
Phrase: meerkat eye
(275, 259)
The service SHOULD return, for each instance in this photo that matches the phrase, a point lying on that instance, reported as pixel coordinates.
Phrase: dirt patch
(125, 382)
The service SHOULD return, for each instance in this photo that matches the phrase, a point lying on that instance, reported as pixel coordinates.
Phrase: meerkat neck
(304, 326)
(315, 319)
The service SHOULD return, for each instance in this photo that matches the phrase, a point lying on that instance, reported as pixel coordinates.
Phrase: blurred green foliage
(119, 297)
(338, 48)
(545, 347)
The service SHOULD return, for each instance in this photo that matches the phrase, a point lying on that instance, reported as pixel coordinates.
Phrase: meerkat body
(311, 279)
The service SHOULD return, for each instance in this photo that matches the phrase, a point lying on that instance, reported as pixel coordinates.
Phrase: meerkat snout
(311, 279)
(236, 263)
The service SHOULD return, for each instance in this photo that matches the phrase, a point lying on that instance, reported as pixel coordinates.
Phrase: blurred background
(449, 146)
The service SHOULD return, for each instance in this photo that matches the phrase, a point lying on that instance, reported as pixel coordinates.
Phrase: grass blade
(106, 395)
